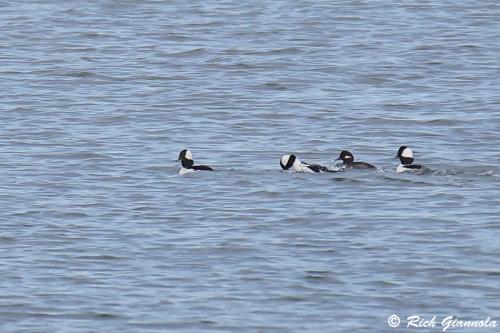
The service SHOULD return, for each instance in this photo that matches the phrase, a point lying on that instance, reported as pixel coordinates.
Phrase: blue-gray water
(98, 233)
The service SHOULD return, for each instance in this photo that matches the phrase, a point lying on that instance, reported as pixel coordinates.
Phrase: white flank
(401, 168)
(299, 167)
(184, 171)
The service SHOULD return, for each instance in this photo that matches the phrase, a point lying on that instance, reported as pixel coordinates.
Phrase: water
(99, 233)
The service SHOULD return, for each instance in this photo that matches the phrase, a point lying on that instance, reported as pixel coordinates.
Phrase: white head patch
(407, 152)
(188, 155)
(284, 159)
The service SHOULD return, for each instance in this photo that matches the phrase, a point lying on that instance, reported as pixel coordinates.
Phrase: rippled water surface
(98, 233)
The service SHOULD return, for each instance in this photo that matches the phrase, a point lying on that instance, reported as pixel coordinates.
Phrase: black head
(400, 151)
(182, 154)
(287, 161)
(405, 155)
(187, 163)
(346, 156)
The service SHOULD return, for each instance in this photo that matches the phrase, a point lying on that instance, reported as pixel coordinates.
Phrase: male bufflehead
(187, 162)
(291, 161)
(405, 155)
(348, 161)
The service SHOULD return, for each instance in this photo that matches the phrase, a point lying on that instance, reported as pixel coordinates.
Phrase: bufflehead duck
(187, 162)
(291, 161)
(348, 161)
(405, 155)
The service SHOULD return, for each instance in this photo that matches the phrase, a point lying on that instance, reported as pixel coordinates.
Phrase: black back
(362, 165)
(414, 166)
(202, 167)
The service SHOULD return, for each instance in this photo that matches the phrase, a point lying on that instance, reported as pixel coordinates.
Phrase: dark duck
(348, 162)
